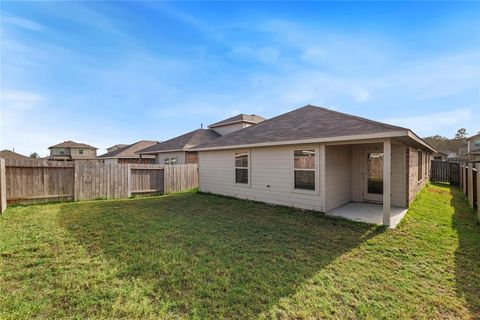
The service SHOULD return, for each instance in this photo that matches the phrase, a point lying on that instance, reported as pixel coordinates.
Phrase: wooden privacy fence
(470, 183)
(445, 171)
(35, 181)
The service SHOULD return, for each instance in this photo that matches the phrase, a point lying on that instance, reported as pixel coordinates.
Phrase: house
(70, 150)
(11, 155)
(471, 150)
(440, 156)
(127, 153)
(178, 150)
(115, 147)
(319, 159)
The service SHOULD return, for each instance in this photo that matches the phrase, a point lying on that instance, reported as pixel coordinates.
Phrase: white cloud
(20, 100)
(21, 23)
(426, 123)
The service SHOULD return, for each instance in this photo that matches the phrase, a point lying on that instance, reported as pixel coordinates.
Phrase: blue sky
(116, 72)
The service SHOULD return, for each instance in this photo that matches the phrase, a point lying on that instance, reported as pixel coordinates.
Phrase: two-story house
(70, 151)
(177, 150)
(471, 150)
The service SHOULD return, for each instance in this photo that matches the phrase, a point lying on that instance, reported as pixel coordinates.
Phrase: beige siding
(160, 158)
(223, 130)
(271, 172)
(88, 153)
(337, 176)
(357, 171)
(58, 151)
(271, 175)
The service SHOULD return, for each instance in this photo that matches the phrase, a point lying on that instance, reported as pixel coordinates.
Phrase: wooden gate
(445, 171)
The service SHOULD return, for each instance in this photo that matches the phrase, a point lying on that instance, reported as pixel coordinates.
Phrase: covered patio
(369, 213)
(359, 181)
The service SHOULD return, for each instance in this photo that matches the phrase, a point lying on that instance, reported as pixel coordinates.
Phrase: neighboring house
(177, 150)
(127, 153)
(11, 155)
(440, 156)
(115, 147)
(318, 159)
(471, 150)
(70, 150)
(235, 123)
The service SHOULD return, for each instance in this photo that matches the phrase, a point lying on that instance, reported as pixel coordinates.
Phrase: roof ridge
(357, 117)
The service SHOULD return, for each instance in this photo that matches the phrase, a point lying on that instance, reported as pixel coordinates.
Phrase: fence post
(470, 184)
(3, 186)
(75, 181)
(129, 180)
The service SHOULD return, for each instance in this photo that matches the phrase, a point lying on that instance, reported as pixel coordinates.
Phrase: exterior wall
(398, 180)
(191, 157)
(414, 185)
(57, 151)
(110, 161)
(473, 143)
(87, 153)
(270, 176)
(398, 177)
(180, 155)
(223, 130)
(337, 176)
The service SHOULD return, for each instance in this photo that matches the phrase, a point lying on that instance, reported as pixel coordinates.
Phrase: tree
(461, 133)
(34, 155)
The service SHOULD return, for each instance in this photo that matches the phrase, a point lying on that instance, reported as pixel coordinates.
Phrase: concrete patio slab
(368, 212)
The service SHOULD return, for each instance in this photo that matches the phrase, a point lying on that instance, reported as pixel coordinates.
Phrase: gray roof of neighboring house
(309, 122)
(10, 155)
(474, 136)
(183, 142)
(120, 145)
(250, 118)
(128, 151)
(72, 144)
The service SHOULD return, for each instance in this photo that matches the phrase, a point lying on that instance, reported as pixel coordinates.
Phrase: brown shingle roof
(250, 118)
(10, 155)
(309, 122)
(128, 151)
(72, 144)
(183, 142)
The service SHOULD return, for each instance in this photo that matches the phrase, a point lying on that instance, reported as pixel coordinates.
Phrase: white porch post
(387, 156)
(322, 177)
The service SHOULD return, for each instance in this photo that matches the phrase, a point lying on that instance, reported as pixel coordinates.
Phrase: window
(241, 168)
(61, 151)
(80, 151)
(420, 163)
(477, 144)
(304, 169)
(170, 161)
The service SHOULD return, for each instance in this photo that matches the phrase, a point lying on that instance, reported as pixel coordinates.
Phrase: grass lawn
(202, 256)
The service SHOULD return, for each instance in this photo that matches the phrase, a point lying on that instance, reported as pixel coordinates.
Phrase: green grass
(202, 256)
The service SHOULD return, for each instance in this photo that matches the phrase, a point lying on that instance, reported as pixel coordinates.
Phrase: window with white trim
(241, 168)
(304, 169)
(170, 161)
